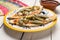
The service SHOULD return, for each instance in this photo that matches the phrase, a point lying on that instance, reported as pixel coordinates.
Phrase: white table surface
(8, 34)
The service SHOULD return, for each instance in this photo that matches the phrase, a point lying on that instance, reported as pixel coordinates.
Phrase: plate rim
(36, 30)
